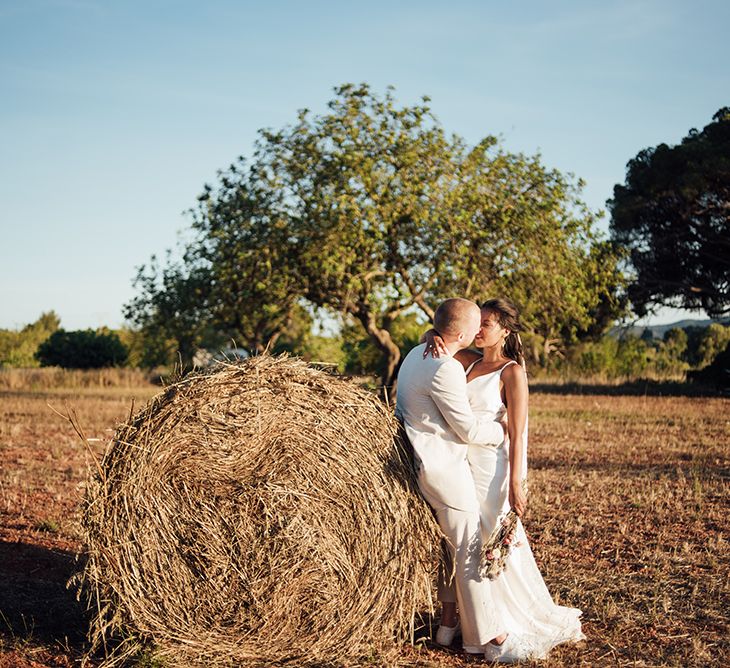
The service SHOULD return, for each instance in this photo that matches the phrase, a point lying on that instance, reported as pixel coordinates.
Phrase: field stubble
(628, 521)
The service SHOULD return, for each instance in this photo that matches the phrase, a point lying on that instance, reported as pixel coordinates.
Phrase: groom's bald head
(457, 316)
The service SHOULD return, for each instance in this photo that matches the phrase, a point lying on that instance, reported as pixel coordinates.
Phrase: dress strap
(510, 363)
(469, 368)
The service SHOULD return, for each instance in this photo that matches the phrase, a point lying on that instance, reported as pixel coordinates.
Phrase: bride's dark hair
(508, 316)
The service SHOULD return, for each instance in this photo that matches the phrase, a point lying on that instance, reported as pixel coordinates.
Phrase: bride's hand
(517, 497)
(434, 344)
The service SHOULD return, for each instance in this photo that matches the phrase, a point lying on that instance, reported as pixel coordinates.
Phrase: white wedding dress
(522, 600)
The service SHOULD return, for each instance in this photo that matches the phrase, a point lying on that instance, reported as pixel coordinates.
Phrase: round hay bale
(263, 511)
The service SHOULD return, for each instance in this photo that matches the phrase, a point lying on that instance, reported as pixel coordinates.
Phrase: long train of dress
(520, 595)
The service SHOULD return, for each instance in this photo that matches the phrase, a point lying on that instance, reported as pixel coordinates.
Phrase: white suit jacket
(433, 406)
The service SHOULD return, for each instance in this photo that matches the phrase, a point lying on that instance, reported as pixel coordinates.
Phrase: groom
(433, 406)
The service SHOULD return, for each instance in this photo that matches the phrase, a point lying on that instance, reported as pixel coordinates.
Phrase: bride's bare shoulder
(467, 357)
(514, 374)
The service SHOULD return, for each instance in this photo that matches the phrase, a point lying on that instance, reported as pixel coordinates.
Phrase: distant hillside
(658, 331)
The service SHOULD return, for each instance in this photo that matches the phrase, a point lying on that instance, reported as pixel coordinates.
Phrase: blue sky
(114, 114)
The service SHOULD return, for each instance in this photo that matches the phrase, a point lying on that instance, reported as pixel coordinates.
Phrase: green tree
(634, 357)
(672, 216)
(171, 311)
(301, 338)
(676, 339)
(364, 184)
(18, 348)
(710, 343)
(362, 356)
(647, 335)
(717, 373)
(671, 353)
(609, 358)
(83, 349)
(521, 230)
(372, 212)
(594, 358)
(397, 216)
(237, 280)
(248, 253)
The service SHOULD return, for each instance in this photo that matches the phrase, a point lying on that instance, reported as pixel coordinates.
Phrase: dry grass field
(628, 520)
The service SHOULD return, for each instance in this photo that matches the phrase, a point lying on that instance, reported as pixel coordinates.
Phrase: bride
(497, 383)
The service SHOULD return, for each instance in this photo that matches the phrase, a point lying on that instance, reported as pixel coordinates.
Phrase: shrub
(716, 374)
(18, 348)
(83, 349)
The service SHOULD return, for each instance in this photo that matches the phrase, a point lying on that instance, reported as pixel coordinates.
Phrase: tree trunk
(272, 340)
(390, 351)
(186, 351)
(550, 349)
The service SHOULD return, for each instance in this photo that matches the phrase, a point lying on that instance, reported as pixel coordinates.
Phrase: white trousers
(479, 624)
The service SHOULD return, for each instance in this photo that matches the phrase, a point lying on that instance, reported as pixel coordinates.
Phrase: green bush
(716, 374)
(630, 357)
(18, 347)
(613, 358)
(83, 349)
(711, 342)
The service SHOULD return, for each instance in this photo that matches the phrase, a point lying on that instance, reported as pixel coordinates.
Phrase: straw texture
(260, 512)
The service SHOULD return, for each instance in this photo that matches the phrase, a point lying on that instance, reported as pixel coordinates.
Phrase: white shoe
(445, 634)
(507, 652)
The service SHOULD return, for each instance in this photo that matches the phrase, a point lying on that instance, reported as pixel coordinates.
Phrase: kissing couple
(465, 415)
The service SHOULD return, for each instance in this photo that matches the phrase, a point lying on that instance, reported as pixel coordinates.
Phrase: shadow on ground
(36, 606)
(639, 388)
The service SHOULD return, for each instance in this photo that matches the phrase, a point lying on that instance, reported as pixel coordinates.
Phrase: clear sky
(113, 114)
